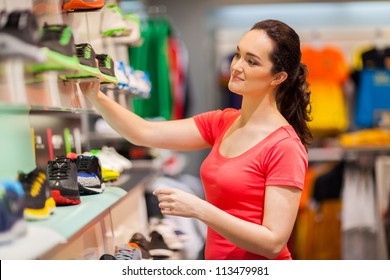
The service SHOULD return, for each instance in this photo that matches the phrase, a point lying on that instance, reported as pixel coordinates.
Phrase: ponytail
(293, 100)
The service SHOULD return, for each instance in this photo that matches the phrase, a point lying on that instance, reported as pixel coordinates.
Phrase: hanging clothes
(153, 57)
(327, 73)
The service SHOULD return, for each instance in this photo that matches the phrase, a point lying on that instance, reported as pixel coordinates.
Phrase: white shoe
(115, 156)
(112, 22)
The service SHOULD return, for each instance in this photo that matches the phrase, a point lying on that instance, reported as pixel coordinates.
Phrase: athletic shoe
(19, 36)
(123, 161)
(106, 67)
(89, 175)
(87, 66)
(127, 252)
(112, 22)
(109, 175)
(120, 72)
(12, 203)
(167, 230)
(157, 246)
(39, 202)
(107, 257)
(58, 44)
(62, 174)
(143, 244)
(132, 34)
(76, 5)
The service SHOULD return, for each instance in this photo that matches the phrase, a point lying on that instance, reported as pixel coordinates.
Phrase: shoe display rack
(36, 107)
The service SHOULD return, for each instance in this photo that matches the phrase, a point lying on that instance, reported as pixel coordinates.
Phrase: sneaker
(62, 174)
(58, 44)
(167, 230)
(89, 175)
(106, 67)
(39, 202)
(112, 152)
(12, 203)
(127, 252)
(109, 175)
(76, 5)
(87, 66)
(157, 246)
(107, 257)
(112, 22)
(132, 34)
(120, 71)
(143, 244)
(19, 36)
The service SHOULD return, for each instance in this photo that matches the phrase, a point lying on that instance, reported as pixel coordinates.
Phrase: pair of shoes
(12, 204)
(19, 36)
(83, 5)
(39, 202)
(129, 251)
(143, 244)
(92, 65)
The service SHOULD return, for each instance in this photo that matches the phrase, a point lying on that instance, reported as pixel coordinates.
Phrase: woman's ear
(279, 78)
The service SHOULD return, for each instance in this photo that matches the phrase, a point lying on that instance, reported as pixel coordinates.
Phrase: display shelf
(56, 236)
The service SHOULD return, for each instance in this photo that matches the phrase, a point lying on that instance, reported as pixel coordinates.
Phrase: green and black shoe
(58, 43)
(87, 68)
(106, 67)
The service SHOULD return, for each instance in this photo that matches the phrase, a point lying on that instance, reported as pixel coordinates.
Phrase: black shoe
(106, 67)
(158, 249)
(88, 67)
(89, 175)
(19, 36)
(143, 244)
(62, 175)
(39, 202)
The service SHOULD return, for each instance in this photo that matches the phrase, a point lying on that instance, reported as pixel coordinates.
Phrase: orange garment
(327, 71)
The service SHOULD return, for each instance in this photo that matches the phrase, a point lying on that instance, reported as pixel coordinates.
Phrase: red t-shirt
(237, 185)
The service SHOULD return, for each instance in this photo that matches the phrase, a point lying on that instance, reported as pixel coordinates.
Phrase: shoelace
(84, 164)
(124, 254)
(59, 170)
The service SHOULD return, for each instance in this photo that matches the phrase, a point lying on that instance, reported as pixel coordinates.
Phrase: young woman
(254, 174)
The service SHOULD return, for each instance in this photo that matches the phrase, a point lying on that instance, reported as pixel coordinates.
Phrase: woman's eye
(251, 62)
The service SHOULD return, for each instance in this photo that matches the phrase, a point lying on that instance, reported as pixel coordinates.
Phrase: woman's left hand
(176, 202)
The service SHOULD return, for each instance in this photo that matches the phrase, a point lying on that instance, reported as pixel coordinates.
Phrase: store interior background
(210, 31)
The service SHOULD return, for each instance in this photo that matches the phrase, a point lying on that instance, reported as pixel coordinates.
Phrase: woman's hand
(176, 202)
(90, 89)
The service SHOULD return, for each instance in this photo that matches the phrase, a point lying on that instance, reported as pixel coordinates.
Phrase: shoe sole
(56, 62)
(109, 79)
(61, 200)
(160, 253)
(40, 214)
(91, 190)
(116, 32)
(83, 72)
(81, 5)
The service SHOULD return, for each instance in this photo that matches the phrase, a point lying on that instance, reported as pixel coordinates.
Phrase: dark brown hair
(293, 95)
